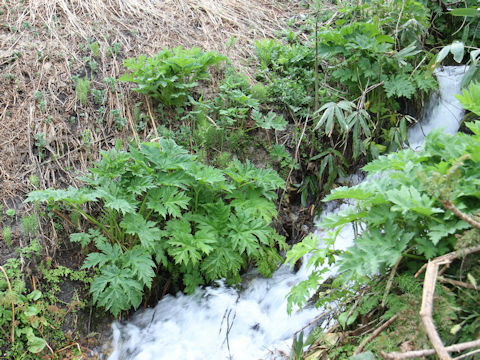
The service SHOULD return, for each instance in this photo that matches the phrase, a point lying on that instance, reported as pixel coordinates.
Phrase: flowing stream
(443, 109)
(251, 322)
(220, 322)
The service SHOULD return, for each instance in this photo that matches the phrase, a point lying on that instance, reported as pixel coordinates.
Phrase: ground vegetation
(154, 161)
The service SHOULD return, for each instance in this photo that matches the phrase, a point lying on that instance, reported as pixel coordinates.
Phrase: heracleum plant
(163, 210)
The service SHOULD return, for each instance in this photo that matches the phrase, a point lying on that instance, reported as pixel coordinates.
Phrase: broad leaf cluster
(163, 210)
(353, 77)
(171, 74)
(399, 208)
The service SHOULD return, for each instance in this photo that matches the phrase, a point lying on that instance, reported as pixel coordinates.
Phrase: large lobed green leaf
(164, 211)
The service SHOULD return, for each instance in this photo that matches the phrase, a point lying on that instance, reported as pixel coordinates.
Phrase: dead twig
(417, 274)
(456, 283)
(354, 306)
(426, 310)
(151, 118)
(46, 343)
(390, 281)
(67, 220)
(467, 354)
(421, 353)
(317, 318)
(450, 206)
(375, 334)
(293, 164)
(69, 346)
(226, 316)
(132, 127)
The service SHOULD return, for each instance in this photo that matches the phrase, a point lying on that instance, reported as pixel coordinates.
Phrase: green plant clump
(82, 88)
(37, 327)
(355, 78)
(166, 213)
(11, 213)
(170, 75)
(7, 235)
(403, 207)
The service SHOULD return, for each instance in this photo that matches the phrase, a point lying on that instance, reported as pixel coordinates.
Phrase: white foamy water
(195, 327)
(443, 110)
(250, 323)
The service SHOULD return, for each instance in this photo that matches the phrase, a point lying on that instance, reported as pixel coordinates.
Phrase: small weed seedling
(7, 235)
(82, 88)
(11, 213)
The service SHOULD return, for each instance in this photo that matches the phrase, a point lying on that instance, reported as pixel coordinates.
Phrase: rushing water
(444, 109)
(219, 322)
(249, 323)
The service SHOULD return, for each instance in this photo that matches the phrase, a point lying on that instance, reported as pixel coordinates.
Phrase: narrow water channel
(443, 109)
(250, 323)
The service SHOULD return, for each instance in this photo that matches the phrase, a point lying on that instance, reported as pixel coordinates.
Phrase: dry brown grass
(205, 23)
(42, 46)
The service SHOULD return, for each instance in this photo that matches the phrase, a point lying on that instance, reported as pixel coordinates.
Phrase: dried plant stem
(287, 182)
(375, 334)
(450, 206)
(69, 346)
(151, 118)
(421, 353)
(426, 310)
(13, 306)
(390, 281)
(46, 343)
(132, 127)
(467, 354)
(316, 102)
(456, 283)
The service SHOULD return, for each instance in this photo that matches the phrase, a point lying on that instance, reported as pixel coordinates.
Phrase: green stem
(90, 218)
(148, 215)
(116, 233)
(197, 192)
(246, 183)
(142, 205)
(119, 234)
(250, 129)
(412, 256)
(112, 226)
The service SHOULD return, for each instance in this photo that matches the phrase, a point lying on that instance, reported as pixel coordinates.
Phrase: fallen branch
(450, 206)
(420, 353)
(467, 354)
(448, 258)
(456, 283)
(426, 310)
(375, 334)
